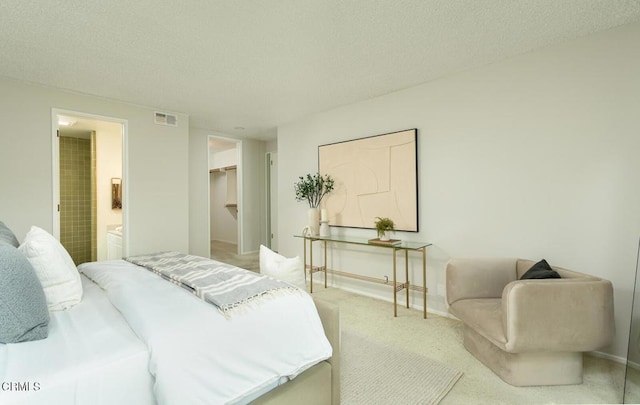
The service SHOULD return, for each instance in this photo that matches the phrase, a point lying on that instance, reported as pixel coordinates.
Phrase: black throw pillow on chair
(540, 270)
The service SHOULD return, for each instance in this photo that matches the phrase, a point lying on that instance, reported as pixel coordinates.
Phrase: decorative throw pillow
(7, 237)
(54, 267)
(540, 270)
(279, 267)
(23, 307)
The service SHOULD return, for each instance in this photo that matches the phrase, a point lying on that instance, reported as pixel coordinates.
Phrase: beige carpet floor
(632, 388)
(440, 339)
(227, 253)
(374, 373)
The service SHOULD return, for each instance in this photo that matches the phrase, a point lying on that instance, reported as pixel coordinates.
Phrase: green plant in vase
(312, 189)
(384, 226)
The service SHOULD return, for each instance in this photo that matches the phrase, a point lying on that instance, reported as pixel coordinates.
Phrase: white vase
(313, 221)
(385, 236)
(324, 229)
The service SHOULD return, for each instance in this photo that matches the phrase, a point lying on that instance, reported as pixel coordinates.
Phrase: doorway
(87, 181)
(271, 171)
(224, 181)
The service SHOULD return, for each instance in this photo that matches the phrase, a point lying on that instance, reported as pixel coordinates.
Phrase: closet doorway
(89, 200)
(224, 181)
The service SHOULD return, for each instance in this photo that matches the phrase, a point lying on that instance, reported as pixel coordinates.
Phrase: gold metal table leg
(406, 274)
(304, 258)
(424, 282)
(324, 243)
(311, 264)
(395, 290)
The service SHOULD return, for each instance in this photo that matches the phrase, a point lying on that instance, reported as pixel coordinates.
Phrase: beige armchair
(529, 332)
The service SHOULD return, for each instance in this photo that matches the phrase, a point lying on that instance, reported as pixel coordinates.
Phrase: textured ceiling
(257, 64)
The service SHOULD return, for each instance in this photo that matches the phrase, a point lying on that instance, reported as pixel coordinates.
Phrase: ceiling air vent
(161, 118)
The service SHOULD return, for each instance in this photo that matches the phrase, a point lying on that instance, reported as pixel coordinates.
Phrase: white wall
(223, 158)
(271, 146)
(535, 157)
(157, 179)
(251, 175)
(199, 225)
(108, 166)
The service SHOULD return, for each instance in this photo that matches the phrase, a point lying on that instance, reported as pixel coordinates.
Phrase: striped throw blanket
(221, 284)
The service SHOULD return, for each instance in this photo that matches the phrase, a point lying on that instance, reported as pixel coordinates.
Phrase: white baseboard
(231, 242)
(634, 365)
(611, 357)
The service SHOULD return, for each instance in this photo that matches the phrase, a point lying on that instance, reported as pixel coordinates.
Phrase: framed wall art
(116, 193)
(376, 176)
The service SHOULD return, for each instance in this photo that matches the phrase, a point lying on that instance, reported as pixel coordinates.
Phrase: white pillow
(54, 267)
(279, 267)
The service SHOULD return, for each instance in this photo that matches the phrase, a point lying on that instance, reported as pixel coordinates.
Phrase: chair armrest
(558, 315)
(478, 278)
(330, 318)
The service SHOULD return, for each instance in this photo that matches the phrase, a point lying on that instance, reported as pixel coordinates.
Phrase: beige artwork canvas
(374, 177)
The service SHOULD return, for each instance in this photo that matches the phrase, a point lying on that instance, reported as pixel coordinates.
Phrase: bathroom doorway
(88, 185)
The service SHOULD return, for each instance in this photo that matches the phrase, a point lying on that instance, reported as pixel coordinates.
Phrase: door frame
(55, 170)
(271, 198)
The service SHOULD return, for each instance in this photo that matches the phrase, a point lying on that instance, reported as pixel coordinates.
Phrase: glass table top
(398, 244)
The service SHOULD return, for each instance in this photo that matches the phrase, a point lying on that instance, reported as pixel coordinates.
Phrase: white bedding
(197, 355)
(90, 357)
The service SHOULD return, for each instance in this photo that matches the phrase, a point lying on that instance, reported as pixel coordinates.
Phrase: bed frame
(319, 385)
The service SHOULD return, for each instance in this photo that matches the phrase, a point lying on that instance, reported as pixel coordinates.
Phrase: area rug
(375, 373)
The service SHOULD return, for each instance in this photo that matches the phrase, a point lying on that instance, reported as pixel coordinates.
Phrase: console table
(402, 246)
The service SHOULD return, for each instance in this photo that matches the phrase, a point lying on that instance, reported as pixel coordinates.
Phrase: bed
(89, 352)
(136, 338)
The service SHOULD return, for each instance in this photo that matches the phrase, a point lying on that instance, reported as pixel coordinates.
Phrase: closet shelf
(230, 175)
(223, 169)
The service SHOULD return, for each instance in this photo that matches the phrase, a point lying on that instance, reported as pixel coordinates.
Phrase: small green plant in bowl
(384, 226)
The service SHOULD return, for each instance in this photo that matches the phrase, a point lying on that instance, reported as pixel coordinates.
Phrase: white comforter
(200, 357)
(91, 356)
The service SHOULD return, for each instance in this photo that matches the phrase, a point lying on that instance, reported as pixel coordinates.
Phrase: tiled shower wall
(75, 197)
(94, 200)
